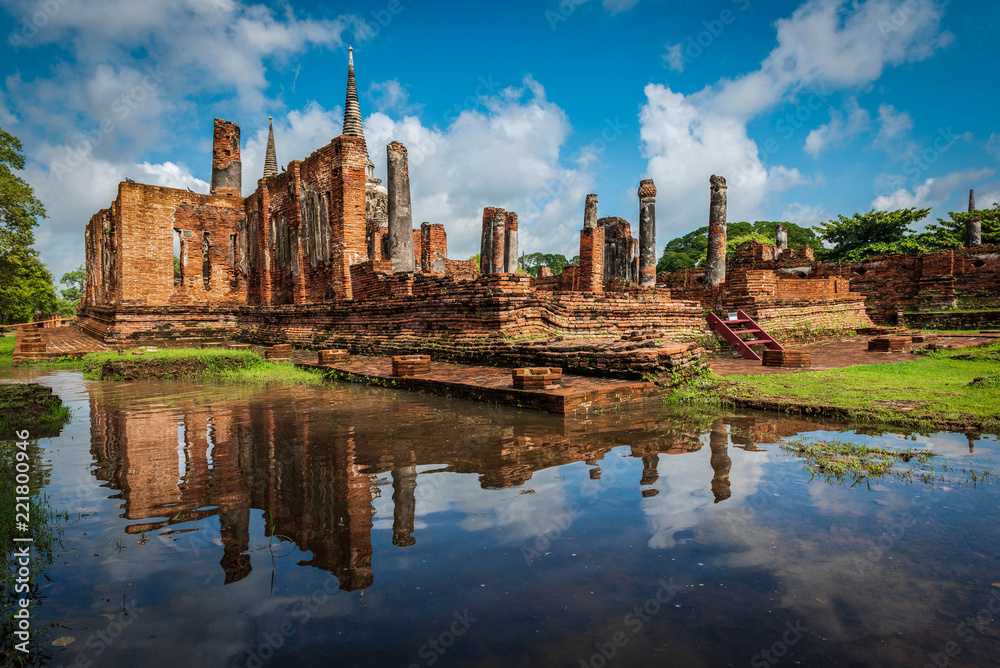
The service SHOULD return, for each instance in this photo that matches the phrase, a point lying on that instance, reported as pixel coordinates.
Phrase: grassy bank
(953, 389)
(237, 366)
(31, 407)
(6, 350)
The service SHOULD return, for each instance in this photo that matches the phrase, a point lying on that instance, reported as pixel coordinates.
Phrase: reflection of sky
(782, 548)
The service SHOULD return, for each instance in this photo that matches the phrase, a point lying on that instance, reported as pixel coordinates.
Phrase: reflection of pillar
(404, 487)
(972, 437)
(234, 527)
(595, 473)
(718, 441)
(715, 265)
(650, 474)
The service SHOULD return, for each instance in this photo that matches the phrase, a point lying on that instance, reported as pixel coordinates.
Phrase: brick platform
(889, 344)
(576, 395)
(796, 359)
(838, 353)
(58, 342)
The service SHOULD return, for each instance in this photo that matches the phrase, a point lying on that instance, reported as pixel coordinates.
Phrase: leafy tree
(19, 208)
(554, 261)
(25, 288)
(691, 250)
(951, 233)
(25, 284)
(867, 234)
(73, 280)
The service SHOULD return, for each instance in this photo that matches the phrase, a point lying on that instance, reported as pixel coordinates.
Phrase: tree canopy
(554, 261)
(25, 284)
(691, 250)
(866, 234)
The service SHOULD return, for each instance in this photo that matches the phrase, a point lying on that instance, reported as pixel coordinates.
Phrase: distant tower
(270, 160)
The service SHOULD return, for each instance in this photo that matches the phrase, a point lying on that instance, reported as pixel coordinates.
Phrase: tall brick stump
(410, 365)
(889, 344)
(282, 351)
(537, 378)
(334, 356)
(791, 359)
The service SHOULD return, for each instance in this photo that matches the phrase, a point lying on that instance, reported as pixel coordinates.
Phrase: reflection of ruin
(313, 481)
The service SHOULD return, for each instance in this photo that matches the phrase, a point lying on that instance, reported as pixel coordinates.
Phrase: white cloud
(804, 214)
(894, 132)
(843, 126)
(992, 145)
(391, 96)
(933, 192)
(674, 57)
(824, 43)
(615, 6)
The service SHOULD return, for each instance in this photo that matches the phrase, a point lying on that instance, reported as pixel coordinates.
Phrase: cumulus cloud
(894, 133)
(843, 126)
(934, 191)
(674, 57)
(804, 214)
(824, 45)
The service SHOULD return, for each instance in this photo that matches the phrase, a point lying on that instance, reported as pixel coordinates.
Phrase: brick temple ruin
(322, 255)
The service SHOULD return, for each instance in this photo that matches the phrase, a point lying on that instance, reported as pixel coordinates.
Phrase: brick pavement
(837, 353)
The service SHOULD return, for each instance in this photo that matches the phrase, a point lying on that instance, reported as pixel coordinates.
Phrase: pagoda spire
(352, 110)
(270, 160)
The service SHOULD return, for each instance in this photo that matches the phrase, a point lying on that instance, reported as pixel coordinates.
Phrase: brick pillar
(591, 272)
(400, 216)
(490, 257)
(718, 442)
(715, 266)
(348, 244)
(510, 244)
(647, 234)
(433, 247)
(590, 212)
(227, 169)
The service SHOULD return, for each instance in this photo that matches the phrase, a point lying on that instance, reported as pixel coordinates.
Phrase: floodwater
(351, 526)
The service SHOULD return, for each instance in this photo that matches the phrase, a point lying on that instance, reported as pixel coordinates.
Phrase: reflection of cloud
(688, 495)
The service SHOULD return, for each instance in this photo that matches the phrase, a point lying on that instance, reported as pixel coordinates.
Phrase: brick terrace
(837, 353)
(575, 396)
(62, 342)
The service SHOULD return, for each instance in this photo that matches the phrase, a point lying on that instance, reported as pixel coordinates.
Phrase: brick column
(973, 224)
(400, 215)
(227, 169)
(499, 235)
(715, 267)
(491, 256)
(647, 234)
(591, 272)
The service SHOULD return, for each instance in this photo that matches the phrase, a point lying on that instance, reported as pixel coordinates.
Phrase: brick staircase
(28, 345)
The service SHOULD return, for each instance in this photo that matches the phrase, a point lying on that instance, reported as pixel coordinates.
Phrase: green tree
(554, 261)
(73, 280)
(25, 288)
(872, 233)
(691, 250)
(25, 284)
(951, 233)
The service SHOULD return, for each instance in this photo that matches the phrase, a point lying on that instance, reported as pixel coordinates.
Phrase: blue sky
(809, 109)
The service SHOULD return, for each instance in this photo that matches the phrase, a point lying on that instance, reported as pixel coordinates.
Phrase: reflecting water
(230, 526)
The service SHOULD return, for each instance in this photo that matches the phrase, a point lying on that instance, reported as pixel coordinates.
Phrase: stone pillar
(973, 224)
(499, 235)
(715, 267)
(591, 274)
(400, 215)
(718, 442)
(590, 212)
(781, 237)
(647, 234)
(404, 487)
(227, 169)
(510, 244)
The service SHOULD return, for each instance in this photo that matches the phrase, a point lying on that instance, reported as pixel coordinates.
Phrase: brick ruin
(321, 254)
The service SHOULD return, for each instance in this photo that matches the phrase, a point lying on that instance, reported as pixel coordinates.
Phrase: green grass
(6, 347)
(851, 462)
(933, 390)
(44, 527)
(236, 366)
(31, 407)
